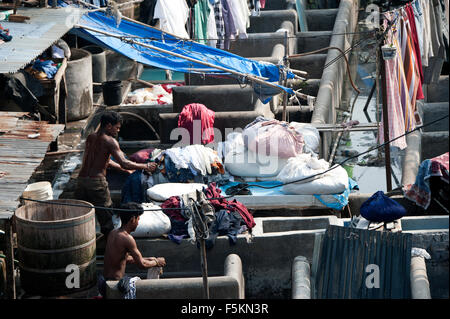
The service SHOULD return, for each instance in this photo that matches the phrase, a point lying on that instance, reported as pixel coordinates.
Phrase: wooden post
(9, 253)
(387, 151)
(285, 61)
(204, 268)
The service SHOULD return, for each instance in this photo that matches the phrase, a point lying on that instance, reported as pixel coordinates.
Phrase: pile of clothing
(189, 164)
(230, 217)
(43, 69)
(4, 35)
(158, 94)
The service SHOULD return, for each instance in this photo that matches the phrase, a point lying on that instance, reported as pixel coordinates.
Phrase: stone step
(215, 97)
(432, 112)
(272, 20)
(321, 19)
(313, 64)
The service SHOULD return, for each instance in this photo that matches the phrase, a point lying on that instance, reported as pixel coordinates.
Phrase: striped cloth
(220, 25)
(410, 69)
(397, 96)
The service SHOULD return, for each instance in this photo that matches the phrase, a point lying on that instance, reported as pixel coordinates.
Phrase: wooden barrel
(51, 240)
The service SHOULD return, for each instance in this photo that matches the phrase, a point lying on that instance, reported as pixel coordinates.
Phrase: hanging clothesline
(416, 40)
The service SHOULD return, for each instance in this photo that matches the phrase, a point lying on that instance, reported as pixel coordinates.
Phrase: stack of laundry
(189, 164)
(230, 217)
(158, 94)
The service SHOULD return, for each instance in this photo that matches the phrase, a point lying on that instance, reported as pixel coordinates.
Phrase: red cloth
(141, 156)
(173, 202)
(195, 111)
(221, 203)
(416, 48)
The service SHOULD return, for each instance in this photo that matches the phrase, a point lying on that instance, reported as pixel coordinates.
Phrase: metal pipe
(301, 282)
(420, 287)
(387, 150)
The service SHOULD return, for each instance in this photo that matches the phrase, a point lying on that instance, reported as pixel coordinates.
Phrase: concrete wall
(266, 256)
(332, 79)
(229, 286)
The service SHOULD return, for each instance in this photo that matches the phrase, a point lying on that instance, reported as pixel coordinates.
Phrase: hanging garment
(211, 26)
(189, 116)
(396, 91)
(226, 223)
(172, 15)
(220, 25)
(201, 14)
(436, 61)
(410, 67)
(263, 3)
(239, 18)
(230, 29)
(416, 48)
(420, 28)
(427, 46)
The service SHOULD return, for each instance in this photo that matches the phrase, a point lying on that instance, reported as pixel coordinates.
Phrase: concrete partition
(229, 286)
(267, 255)
(332, 81)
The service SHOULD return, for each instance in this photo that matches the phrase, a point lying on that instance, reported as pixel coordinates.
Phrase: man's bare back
(97, 155)
(121, 249)
(116, 254)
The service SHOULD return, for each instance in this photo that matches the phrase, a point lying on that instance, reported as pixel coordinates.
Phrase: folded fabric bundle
(47, 66)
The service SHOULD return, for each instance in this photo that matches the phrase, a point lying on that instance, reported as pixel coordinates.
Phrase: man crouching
(121, 249)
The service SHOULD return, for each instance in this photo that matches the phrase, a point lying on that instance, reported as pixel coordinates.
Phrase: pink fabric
(195, 112)
(273, 138)
(416, 49)
(263, 3)
(141, 156)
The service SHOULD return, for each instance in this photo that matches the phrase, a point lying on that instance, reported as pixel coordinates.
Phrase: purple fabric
(230, 28)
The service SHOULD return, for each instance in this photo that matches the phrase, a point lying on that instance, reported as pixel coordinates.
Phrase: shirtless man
(91, 184)
(121, 248)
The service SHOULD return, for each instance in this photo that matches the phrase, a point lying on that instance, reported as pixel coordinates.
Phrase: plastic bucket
(112, 92)
(38, 191)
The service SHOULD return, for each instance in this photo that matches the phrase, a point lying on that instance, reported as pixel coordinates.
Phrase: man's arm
(124, 163)
(113, 165)
(137, 256)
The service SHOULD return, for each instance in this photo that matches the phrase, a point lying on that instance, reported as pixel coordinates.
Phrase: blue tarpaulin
(128, 30)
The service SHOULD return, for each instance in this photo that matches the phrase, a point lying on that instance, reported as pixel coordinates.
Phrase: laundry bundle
(152, 223)
(308, 175)
(158, 94)
(380, 208)
(264, 147)
(192, 163)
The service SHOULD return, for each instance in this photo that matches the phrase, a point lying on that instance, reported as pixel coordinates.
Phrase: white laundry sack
(162, 192)
(334, 181)
(273, 138)
(246, 163)
(152, 223)
(310, 134)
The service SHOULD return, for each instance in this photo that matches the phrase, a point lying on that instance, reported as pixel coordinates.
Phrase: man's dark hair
(110, 117)
(135, 209)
